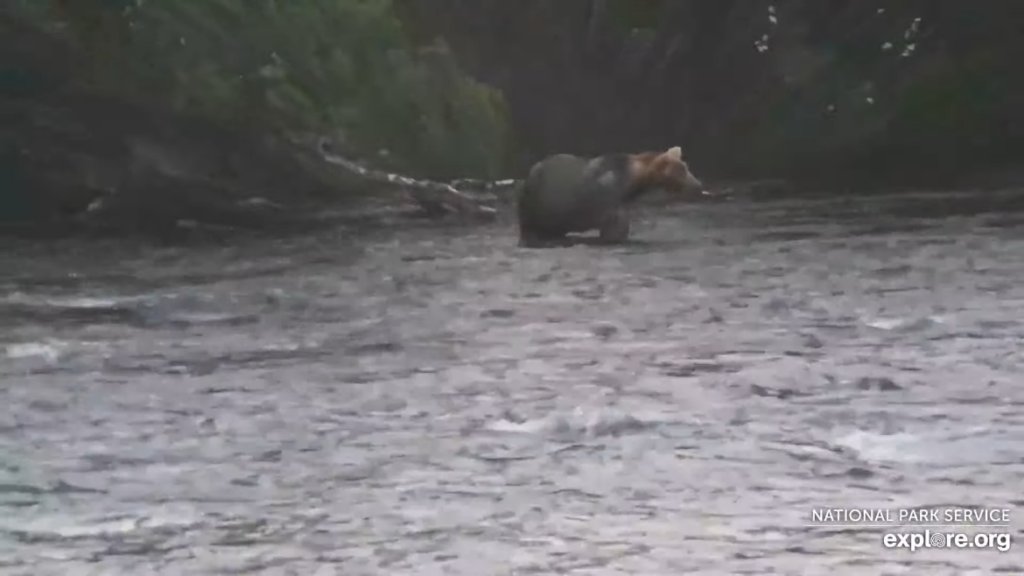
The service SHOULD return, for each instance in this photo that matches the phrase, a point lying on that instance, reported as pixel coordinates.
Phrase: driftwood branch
(436, 198)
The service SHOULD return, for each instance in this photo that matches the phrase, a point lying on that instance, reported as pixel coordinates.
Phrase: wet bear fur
(566, 194)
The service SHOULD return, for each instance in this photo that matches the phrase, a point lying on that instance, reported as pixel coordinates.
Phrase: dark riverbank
(145, 119)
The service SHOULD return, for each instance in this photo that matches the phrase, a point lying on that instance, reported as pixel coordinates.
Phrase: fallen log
(435, 198)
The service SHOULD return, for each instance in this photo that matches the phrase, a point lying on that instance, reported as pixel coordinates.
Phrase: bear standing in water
(566, 193)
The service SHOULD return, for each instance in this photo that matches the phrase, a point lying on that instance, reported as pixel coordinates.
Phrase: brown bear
(564, 194)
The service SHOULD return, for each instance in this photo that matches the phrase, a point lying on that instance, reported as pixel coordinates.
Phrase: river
(430, 400)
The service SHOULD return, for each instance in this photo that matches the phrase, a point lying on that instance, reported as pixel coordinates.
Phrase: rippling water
(429, 401)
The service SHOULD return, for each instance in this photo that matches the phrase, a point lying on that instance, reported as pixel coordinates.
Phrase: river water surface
(424, 400)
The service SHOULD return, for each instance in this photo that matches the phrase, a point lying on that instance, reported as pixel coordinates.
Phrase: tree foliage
(803, 89)
(344, 68)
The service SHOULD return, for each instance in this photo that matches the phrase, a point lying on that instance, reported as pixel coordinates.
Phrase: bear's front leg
(615, 230)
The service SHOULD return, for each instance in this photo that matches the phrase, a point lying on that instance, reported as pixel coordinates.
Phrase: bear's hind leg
(533, 239)
(529, 240)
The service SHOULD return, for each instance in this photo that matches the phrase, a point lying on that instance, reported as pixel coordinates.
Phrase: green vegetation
(343, 68)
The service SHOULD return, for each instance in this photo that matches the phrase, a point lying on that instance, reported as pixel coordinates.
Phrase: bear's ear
(675, 153)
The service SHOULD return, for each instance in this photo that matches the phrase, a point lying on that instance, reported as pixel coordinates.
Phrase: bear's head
(665, 170)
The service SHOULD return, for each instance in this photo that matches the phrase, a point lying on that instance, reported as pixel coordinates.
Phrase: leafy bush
(337, 67)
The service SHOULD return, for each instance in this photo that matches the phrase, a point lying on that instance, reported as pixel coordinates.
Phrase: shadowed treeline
(173, 111)
(159, 112)
(915, 91)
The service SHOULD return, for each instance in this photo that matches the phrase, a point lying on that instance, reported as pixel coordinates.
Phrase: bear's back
(560, 171)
